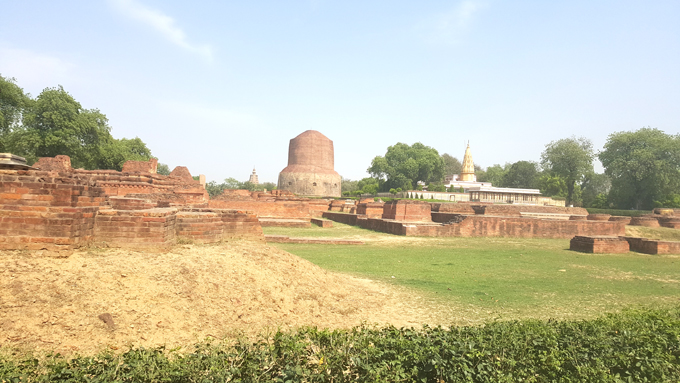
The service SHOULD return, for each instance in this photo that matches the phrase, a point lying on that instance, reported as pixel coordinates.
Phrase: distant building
(253, 178)
(486, 192)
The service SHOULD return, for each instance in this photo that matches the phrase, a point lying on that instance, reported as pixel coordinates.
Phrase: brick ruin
(54, 206)
(620, 245)
(419, 218)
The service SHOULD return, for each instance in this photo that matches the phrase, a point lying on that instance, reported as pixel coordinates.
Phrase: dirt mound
(56, 302)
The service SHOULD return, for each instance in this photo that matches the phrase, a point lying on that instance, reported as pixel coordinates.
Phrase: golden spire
(468, 172)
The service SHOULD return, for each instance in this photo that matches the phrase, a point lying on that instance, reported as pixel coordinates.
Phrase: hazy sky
(222, 86)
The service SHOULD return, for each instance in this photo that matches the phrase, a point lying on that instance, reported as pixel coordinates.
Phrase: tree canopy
(521, 174)
(403, 166)
(55, 123)
(451, 165)
(644, 166)
(569, 158)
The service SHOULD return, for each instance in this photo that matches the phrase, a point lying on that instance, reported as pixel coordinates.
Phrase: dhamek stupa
(310, 170)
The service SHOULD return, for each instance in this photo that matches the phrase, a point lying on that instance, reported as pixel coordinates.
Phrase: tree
(403, 166)
(595, 185)
(368, 185)
(493, 174)
(55, 123)
(552, 186)
(569, 158)
(644, 166)
(13, 101)
(163, 169)
(348, 185)
(451, 165)
(521, 174)
(114, 153)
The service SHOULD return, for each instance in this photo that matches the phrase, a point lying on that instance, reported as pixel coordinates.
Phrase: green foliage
(493, 174)
(600, 202)
(13, 101)
(671, 201)
(644, 166)
(436, 187)
(569, 158)
(55, 123)
(348, 186)
(403, 166)
(368, 185)
(633, 346)
(163, 169)
(451, 165)
(552, 185)
(594, 188)
(114, 153)
(521, 174)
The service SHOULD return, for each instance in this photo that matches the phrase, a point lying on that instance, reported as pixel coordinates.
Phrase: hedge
(632, 346)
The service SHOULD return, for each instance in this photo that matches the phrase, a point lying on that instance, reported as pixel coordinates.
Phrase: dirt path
(52, 301)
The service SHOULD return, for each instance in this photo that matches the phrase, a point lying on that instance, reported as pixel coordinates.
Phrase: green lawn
(505, 277)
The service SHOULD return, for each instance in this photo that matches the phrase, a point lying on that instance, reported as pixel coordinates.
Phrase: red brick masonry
(599, 244)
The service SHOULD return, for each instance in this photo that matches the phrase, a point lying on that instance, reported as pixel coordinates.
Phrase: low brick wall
(199, 227)
(647, 246)
(370, 209)
(322, 222)
(408, 211)
(598, 217)
(346, 218)
(320, 241)
(136, 229)
(617, 218)
(517, 210)
(282, 222)
(670, 222)
(292, 209)
(599, 244)
(644, 221)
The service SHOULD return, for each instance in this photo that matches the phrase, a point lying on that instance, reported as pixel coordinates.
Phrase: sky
(222, 86)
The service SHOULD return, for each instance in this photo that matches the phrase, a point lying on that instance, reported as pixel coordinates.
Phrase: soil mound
(96, 298)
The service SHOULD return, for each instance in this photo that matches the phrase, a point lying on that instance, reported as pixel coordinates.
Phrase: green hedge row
(633, 346)
(627, 213)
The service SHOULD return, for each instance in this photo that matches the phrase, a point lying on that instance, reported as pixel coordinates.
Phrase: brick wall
(405, 210)
(347, 219)
(370, 209)
(599, 244)
(647, 246)
(281, 208)
(136, 229)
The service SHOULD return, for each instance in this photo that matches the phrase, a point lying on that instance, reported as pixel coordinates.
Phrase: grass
(505, 277)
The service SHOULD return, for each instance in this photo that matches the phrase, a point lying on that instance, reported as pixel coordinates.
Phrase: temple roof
(468, 165)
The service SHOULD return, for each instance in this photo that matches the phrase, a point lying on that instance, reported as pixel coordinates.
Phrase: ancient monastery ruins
(50, 205)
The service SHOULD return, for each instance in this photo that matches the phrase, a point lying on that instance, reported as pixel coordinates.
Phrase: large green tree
(13, 101)
(55, 123)
(451, 165)
(493, 174)
(403, 166)
(521, 174)
(569, 158)
(644, 166)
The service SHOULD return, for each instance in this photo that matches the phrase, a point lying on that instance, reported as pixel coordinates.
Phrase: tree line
(641, 171)
(54, 123)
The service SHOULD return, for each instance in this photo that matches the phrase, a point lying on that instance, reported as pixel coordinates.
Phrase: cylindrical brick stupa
(310, 170)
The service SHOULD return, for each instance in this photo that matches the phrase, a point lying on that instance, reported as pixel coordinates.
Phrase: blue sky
(222, 86)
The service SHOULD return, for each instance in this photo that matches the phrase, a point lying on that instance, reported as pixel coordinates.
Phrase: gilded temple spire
(468, 172)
